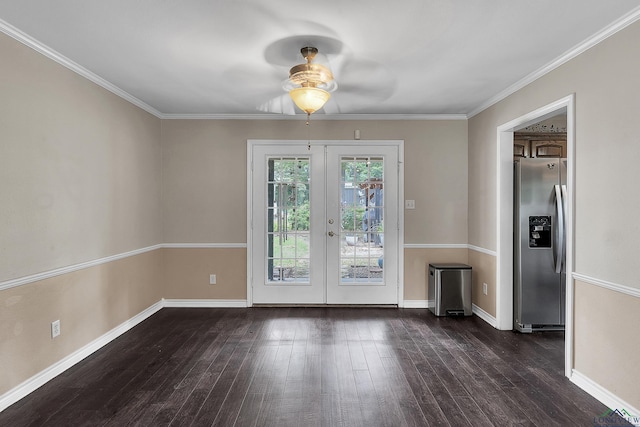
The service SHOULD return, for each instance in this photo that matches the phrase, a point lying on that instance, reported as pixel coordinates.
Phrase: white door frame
(504, 216)
(400, 254)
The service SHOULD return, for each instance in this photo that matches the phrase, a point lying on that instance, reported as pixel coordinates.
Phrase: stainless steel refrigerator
(539, 244)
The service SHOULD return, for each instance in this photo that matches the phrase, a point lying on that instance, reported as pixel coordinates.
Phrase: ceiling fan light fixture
(310, 74)
(310, 83)
(309, 99)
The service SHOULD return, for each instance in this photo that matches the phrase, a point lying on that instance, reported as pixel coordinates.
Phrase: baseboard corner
(484, 315)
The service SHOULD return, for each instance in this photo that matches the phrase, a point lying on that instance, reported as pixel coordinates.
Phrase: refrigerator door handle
(563, 189)
(559, 240)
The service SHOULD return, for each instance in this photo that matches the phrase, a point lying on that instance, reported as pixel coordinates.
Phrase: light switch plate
(409, 204)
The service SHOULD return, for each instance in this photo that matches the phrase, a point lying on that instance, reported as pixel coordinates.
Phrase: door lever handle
(331, 234)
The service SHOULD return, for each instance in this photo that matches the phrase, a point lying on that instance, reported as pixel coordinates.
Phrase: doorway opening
(504, 217)
(324, 222)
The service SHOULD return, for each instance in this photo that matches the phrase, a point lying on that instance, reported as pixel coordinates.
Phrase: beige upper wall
(205, 174)
(79, 167)
(605, 81)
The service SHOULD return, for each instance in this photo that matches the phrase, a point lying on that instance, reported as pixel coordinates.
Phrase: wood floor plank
(318, 366)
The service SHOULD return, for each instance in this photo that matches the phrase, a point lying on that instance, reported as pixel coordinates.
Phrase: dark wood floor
(313, 367)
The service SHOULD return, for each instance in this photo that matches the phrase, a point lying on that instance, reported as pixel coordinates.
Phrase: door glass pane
(362, 220)
(288, 215)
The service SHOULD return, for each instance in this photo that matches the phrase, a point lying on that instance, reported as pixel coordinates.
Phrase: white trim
(204, 303)
(415, 303)
(400, 219)
(399, 144)
(205, 245)
(585, 45)
(627, 290)
(504, 216)
(436, 246)
(476, 310)
(80, 266)
(45, 50)
(316, 117)
(249, 223)
(449, 246)
(52, 54)
(71, 268)
(328, 142)
(484, 315)
(483, 250)
(41, 378)
(603, 395)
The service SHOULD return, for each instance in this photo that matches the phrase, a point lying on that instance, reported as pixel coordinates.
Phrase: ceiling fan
(363, 82)
(309, 84)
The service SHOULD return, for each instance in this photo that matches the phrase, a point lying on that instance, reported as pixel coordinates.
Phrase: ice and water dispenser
(540, 231)
(449, 289)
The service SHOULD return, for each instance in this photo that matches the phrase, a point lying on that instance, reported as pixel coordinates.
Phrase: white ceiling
(217, 57)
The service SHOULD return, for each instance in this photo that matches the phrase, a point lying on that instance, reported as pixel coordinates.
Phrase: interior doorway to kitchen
(324, 222)
(504, 217)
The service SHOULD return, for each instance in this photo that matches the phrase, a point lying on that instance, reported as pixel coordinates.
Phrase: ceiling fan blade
(331, 107)
(367, 78)
(260, 86)
(282, 104)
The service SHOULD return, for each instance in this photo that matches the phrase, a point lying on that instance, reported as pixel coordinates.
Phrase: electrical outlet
(55, 328)
(212, 279)
(409, 204)
(484, 288)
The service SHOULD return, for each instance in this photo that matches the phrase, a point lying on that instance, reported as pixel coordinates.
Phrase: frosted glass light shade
(309, 99)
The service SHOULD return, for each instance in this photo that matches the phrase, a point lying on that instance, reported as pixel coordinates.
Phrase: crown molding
(314, 117)
(36, 45)
(52, 54)
(41, 48)
(587, 44)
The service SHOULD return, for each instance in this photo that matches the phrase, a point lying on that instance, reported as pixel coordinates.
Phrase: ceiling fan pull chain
(308, 132)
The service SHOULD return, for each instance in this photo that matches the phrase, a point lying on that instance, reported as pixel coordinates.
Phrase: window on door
(288, 218)
(362, 219)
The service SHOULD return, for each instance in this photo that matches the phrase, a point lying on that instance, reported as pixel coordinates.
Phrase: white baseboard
(38, 380)
(416, 303)
(204, 303)
(606, 397)
(476, 310)
(33, 383)
(484, 316)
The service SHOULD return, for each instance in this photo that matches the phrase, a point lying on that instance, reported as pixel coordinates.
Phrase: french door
(323, 223)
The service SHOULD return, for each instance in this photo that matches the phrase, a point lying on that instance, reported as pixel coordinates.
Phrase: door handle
(563, 191)
(559, 241)
(331, 234)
